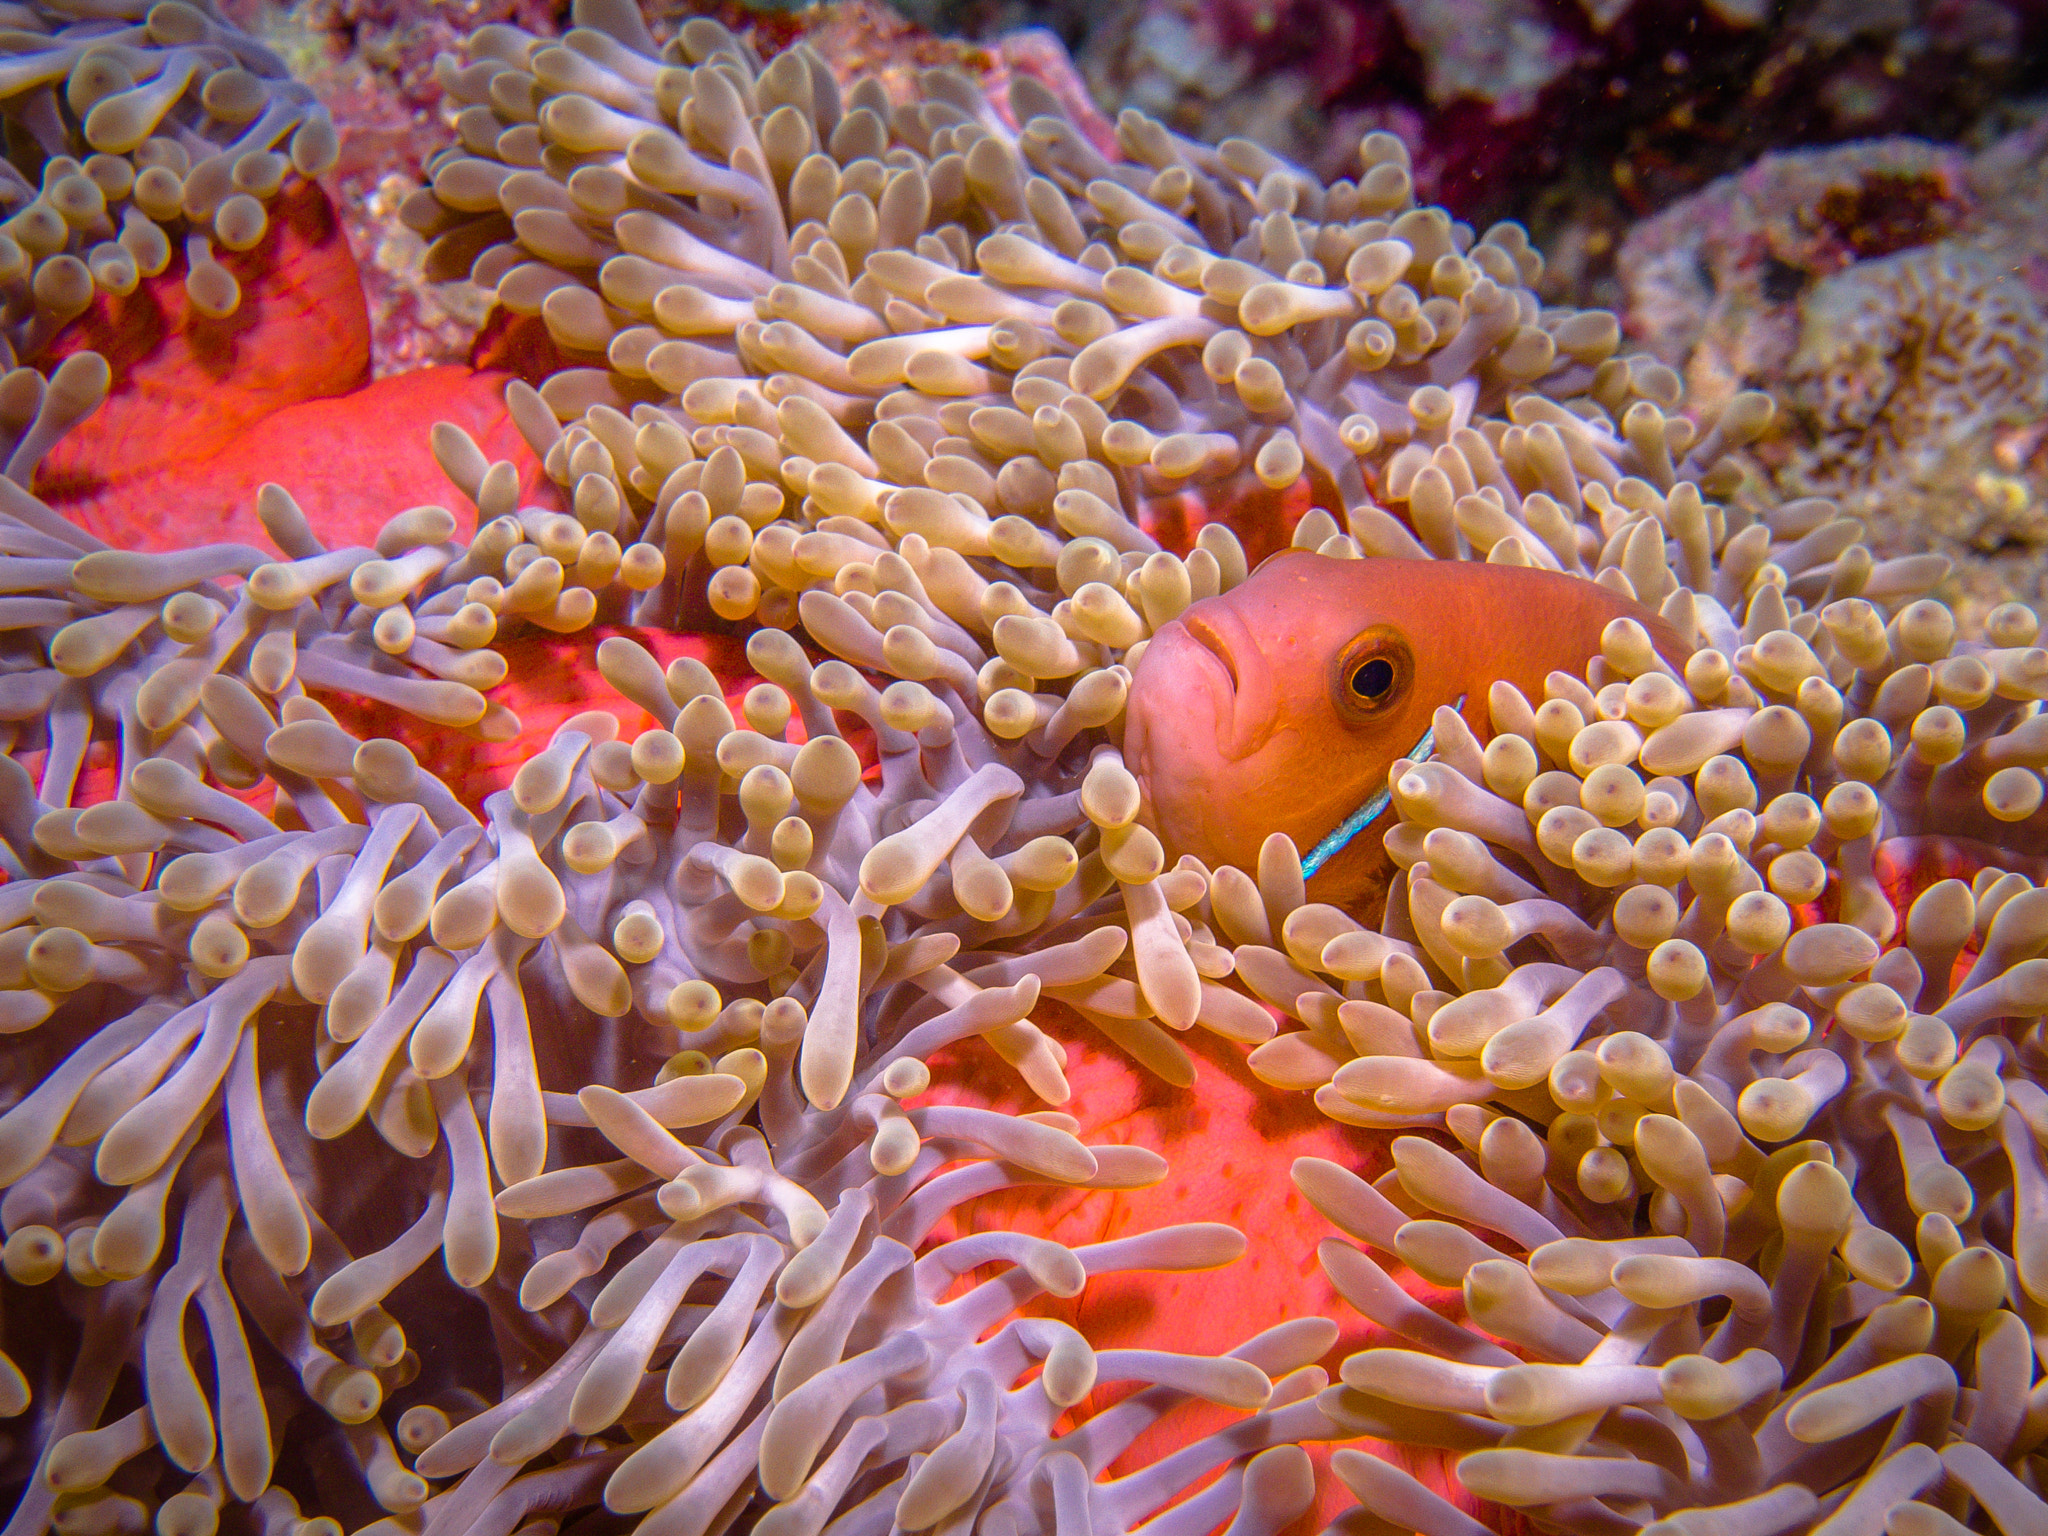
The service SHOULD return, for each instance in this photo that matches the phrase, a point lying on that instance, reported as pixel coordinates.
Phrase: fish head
(1280, 705)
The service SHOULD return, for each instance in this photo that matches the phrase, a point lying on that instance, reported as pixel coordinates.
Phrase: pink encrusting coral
(379, 1158)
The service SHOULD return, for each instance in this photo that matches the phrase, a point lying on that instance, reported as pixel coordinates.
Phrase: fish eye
(1372, 673)
(1371, 682)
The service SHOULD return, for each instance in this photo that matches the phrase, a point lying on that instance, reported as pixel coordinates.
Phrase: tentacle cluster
(149, 133)
(1746, 1152)
(198, 652)
(640, 1045)
(806, 325)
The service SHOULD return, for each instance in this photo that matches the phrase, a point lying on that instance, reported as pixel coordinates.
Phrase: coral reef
(1888, 293)
(382, 1156)
(1634, 101)
(1910, 367)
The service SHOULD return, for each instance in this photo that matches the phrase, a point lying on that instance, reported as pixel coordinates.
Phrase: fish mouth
(1209, 638)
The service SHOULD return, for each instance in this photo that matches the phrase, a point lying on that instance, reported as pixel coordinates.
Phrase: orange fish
(1280, 705)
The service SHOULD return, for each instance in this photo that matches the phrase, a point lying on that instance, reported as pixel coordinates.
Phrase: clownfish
(1280, 705)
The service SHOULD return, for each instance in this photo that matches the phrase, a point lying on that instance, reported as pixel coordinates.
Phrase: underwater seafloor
(671, 861)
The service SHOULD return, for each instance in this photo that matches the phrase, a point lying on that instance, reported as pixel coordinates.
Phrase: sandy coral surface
(1892, 295)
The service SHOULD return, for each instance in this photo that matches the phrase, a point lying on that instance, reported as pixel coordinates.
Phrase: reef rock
(1886, 293)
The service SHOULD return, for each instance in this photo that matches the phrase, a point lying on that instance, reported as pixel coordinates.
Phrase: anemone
(379, 1158)
(1743, 1159)
(149, 134)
